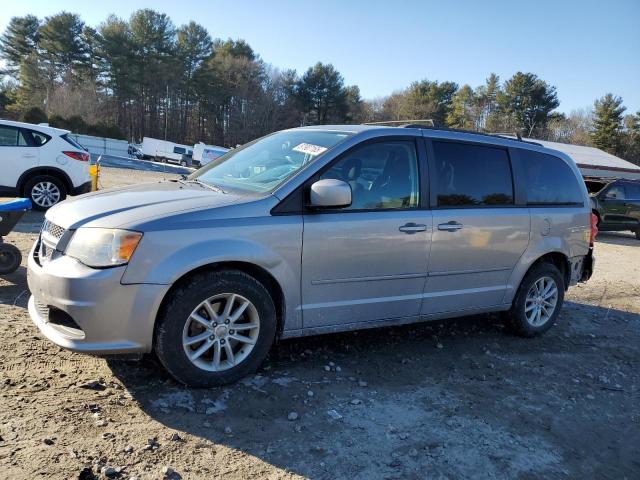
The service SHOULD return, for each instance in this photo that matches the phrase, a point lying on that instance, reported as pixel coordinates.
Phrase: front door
(614, 207)
(368, 262)
(478, 232)
(16, 156)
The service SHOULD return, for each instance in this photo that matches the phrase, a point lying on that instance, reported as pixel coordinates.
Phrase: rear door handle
(450, 226)
(28, 155)
(411, 228)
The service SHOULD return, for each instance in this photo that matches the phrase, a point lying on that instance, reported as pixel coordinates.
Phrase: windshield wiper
(206, 185)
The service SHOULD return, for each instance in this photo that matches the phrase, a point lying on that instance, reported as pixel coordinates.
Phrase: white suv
(41, 163)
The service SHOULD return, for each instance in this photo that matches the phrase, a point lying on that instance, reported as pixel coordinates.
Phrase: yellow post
(94, 173)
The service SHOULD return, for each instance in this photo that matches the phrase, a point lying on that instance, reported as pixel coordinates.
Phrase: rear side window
(11, 137)
(550, 181)
(472, 175)
(633, 191)
(179, 150)
(71, 141)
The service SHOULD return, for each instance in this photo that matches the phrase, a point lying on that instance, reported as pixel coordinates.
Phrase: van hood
(133, 204)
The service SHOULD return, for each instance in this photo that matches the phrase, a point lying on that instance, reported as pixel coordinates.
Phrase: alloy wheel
(45, 194)
(541, 301)
(221, 332)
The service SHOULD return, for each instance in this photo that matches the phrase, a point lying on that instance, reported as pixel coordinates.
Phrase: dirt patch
(440, 400)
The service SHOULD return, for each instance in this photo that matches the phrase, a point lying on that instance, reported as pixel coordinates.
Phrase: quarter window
(39, 139)
(382, 175)
(550, 181)
(472, 175)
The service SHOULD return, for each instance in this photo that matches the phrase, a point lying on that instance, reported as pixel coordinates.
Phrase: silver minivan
(313, 230)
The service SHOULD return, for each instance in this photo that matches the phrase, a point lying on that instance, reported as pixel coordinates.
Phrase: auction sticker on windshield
(309, 148)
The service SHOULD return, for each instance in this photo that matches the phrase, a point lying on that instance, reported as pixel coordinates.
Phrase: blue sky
(585, 48)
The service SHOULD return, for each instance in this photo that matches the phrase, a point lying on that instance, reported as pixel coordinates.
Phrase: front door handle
(29, 155)
(411, 228)
(450, 226)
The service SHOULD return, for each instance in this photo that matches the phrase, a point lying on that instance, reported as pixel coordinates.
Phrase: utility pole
(166, 112)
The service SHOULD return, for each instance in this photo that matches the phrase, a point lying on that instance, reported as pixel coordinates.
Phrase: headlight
(103, 247)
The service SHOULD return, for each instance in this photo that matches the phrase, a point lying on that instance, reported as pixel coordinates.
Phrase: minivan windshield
(266, 163)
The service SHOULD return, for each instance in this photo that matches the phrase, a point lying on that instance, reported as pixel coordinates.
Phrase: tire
(183, 163)
(10, 258)
(520, 321)
(45, 191)
(176, 325)
(638, 234)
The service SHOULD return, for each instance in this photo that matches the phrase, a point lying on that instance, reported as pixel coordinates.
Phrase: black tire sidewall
(517, 317)
(180, 304)
(15, 258)
(28, 187)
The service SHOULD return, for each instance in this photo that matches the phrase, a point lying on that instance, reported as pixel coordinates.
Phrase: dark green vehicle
(617, 206)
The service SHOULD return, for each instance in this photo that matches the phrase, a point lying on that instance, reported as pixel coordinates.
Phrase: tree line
(146, 77)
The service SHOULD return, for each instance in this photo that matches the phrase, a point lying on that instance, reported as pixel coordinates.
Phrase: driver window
(382, 175)
(616, 192)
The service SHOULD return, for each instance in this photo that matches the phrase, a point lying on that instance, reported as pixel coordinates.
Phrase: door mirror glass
(330, 193)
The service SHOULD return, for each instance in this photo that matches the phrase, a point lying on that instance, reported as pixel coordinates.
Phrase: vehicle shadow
(14, 290)
(31, 222)
(456, 397)
(618, 238)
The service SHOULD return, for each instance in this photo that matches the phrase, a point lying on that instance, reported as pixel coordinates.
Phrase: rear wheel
(215, 329)
(45, 191)
(538, 301)
(638, 233)
(183, 163)
(10, 258)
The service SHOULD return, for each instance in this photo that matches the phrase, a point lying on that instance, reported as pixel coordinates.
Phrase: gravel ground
(448, 399)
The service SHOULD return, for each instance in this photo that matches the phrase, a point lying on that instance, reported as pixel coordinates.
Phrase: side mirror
(330, 193)
(610, 196)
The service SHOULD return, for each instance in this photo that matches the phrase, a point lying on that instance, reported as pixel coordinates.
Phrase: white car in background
(41, 163)
(203, 154)
(165, 151)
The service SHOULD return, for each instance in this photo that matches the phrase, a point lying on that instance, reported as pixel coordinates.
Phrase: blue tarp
(16, 205)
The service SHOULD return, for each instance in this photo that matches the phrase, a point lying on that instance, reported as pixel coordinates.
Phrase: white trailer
(165, 151)
(203, 154)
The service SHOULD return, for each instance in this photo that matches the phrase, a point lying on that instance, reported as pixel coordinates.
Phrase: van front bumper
(88, 310)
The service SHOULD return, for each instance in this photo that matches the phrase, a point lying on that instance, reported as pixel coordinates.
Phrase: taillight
(594, 228)
(82, 156)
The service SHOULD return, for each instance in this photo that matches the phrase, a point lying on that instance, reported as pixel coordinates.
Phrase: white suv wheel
(45, 194)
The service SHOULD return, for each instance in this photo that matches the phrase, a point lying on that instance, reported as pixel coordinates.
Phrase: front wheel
(215, 329)
(538, 301)
(10, 258)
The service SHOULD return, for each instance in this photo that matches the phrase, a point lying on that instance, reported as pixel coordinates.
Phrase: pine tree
(463, 113)
(607, 125)
(19, 40)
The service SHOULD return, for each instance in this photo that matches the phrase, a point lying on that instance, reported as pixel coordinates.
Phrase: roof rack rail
(406, 123)
(509, 136)
(431, 126)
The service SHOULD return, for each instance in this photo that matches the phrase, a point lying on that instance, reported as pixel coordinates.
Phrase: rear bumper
(84, 188)
(588, 266)
(89, 310)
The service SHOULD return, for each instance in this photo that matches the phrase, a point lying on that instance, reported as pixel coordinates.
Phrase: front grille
(53, 230)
